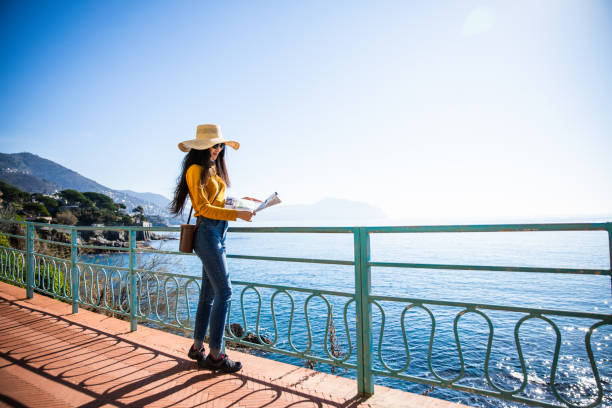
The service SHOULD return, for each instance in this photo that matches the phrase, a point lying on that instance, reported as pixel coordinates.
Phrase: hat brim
(200, 144)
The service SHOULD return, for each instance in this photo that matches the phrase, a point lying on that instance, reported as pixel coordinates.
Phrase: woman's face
(215, 150)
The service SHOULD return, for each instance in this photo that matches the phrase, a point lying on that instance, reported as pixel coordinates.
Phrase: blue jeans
(216, 290)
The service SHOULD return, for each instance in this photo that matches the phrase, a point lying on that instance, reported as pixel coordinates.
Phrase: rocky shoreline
(119, 239)
(110, 239)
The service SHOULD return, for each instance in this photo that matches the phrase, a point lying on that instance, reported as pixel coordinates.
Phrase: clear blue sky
(426, 109)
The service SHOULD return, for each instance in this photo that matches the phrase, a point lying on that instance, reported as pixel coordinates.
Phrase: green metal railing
(165, 299)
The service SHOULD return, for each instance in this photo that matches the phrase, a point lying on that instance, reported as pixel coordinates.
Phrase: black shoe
(196, 354)
(223, 364)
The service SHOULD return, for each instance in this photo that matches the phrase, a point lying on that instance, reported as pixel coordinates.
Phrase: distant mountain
(28, 182)
(31, 164)
(327, 210)
(156, 199)
(36, 174)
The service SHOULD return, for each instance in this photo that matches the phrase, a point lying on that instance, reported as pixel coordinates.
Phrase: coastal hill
(36, 174)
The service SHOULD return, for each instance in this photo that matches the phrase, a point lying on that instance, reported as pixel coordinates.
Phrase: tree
(101, 201)
(35, 210)
(12, 194)
(66, 218)
(139, 213)
(89, 216)
(74, 197)
(49, 202)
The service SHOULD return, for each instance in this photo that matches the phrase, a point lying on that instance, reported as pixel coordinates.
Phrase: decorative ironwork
(166, 300)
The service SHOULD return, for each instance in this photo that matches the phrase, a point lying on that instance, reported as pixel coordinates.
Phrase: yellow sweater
(200, 197)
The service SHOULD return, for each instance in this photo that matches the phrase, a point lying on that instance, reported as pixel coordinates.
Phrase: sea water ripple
(581, 293)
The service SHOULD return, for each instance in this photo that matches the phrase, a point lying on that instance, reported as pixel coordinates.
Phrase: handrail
(491, 268)
(596, 226)
(163, 298)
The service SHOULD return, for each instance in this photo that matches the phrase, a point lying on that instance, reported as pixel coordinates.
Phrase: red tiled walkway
(52, 358)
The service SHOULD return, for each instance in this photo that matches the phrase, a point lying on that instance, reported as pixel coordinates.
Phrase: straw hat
(206, 137)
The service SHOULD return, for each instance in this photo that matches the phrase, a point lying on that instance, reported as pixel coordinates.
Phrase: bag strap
(190, 211)
(189, 218)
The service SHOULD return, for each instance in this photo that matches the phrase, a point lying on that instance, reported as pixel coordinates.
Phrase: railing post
(74, 271)
(133, 297)
(365, 385)
(29, 260)
(609, 224)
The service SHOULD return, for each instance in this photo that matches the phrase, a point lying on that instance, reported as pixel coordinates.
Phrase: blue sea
(580, 293)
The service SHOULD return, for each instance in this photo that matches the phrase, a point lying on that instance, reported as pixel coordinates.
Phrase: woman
(204, 177)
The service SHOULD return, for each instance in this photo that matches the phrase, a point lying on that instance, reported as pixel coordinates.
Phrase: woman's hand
(252, 199)
(245, 215)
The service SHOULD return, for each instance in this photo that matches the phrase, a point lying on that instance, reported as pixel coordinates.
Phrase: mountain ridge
(325, 210)
(36, 174)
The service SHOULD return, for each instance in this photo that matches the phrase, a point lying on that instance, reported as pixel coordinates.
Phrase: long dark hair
(202, 158)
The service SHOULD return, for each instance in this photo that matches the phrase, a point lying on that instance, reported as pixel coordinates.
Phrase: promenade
(50, 357)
